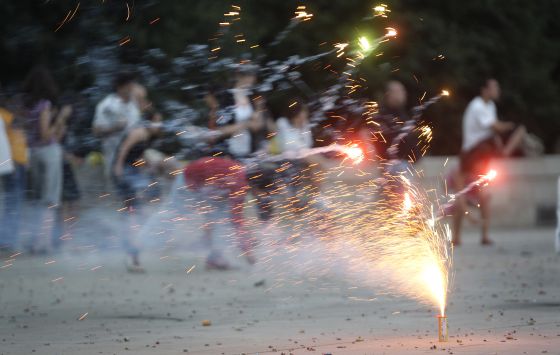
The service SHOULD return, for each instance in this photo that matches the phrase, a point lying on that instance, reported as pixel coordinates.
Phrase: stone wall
(524, 193)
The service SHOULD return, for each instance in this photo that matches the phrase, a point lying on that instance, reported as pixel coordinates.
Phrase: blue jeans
(133, 183)
(14, 195)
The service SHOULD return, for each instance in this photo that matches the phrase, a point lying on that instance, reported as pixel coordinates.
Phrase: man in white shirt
(115, 114)
(481, 142)
(480, 121)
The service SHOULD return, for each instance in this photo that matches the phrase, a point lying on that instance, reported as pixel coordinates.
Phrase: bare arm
(44, 124)
(213, 105)
(232, 129)
(58, 128)
(134, 137)
(100, 131)
(258, 118)
(503, 127)
(271, 126)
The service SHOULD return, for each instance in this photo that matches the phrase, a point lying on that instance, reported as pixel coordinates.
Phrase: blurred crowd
(41, 190)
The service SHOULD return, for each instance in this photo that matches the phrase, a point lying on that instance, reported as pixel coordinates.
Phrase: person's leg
(296, 180)
(261, 182)
(109, 147)
(485, 216)
(125, 185)
(17, 196)
(557, 243)
(457, 224)
(313, 174)
(51, 195)
(8, 228)
(515, 140)
(458, 209)
(36, 209)
(244, 240)
(129, 239)
(215, 259)
(237, 190)
(264, 203)
(70, 199)
(36, 172)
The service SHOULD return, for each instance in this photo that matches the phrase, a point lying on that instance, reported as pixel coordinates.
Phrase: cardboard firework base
(442, 328)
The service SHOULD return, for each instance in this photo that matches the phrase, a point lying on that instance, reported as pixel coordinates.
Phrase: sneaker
(135, 269)
(217, 262)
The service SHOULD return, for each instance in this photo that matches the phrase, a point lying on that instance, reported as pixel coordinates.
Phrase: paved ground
(505, 300)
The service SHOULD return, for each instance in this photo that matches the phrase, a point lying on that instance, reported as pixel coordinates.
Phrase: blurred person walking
(116, 113)
(237, 116)
(483, 139)
(45, 127)
(234, 112)
(396, 142)
(132, 174)
(293, 135)
(218, 180)
(399, 144)
(76, 144)
(15, 154)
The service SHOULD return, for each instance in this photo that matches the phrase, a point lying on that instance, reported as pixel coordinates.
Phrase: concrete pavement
(505, 300)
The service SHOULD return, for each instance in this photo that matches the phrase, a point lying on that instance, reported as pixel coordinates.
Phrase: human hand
(510, 125)
(66, 111)
(211, 101)
(121, 124)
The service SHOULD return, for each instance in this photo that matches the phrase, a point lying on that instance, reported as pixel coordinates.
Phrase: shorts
(219, 178)
(476, 161)
(218, 173)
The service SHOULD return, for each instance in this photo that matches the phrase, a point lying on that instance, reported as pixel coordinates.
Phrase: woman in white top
(237, 115)
(294, 134)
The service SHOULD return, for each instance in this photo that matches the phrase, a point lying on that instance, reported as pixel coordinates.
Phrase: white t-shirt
(478, 120)
(291, 138)
(109, 113)
(6, 163)
(240, 144)
(112, 110)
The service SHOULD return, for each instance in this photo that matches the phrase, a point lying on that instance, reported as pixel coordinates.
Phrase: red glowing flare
(355, 153)
(491, 175)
